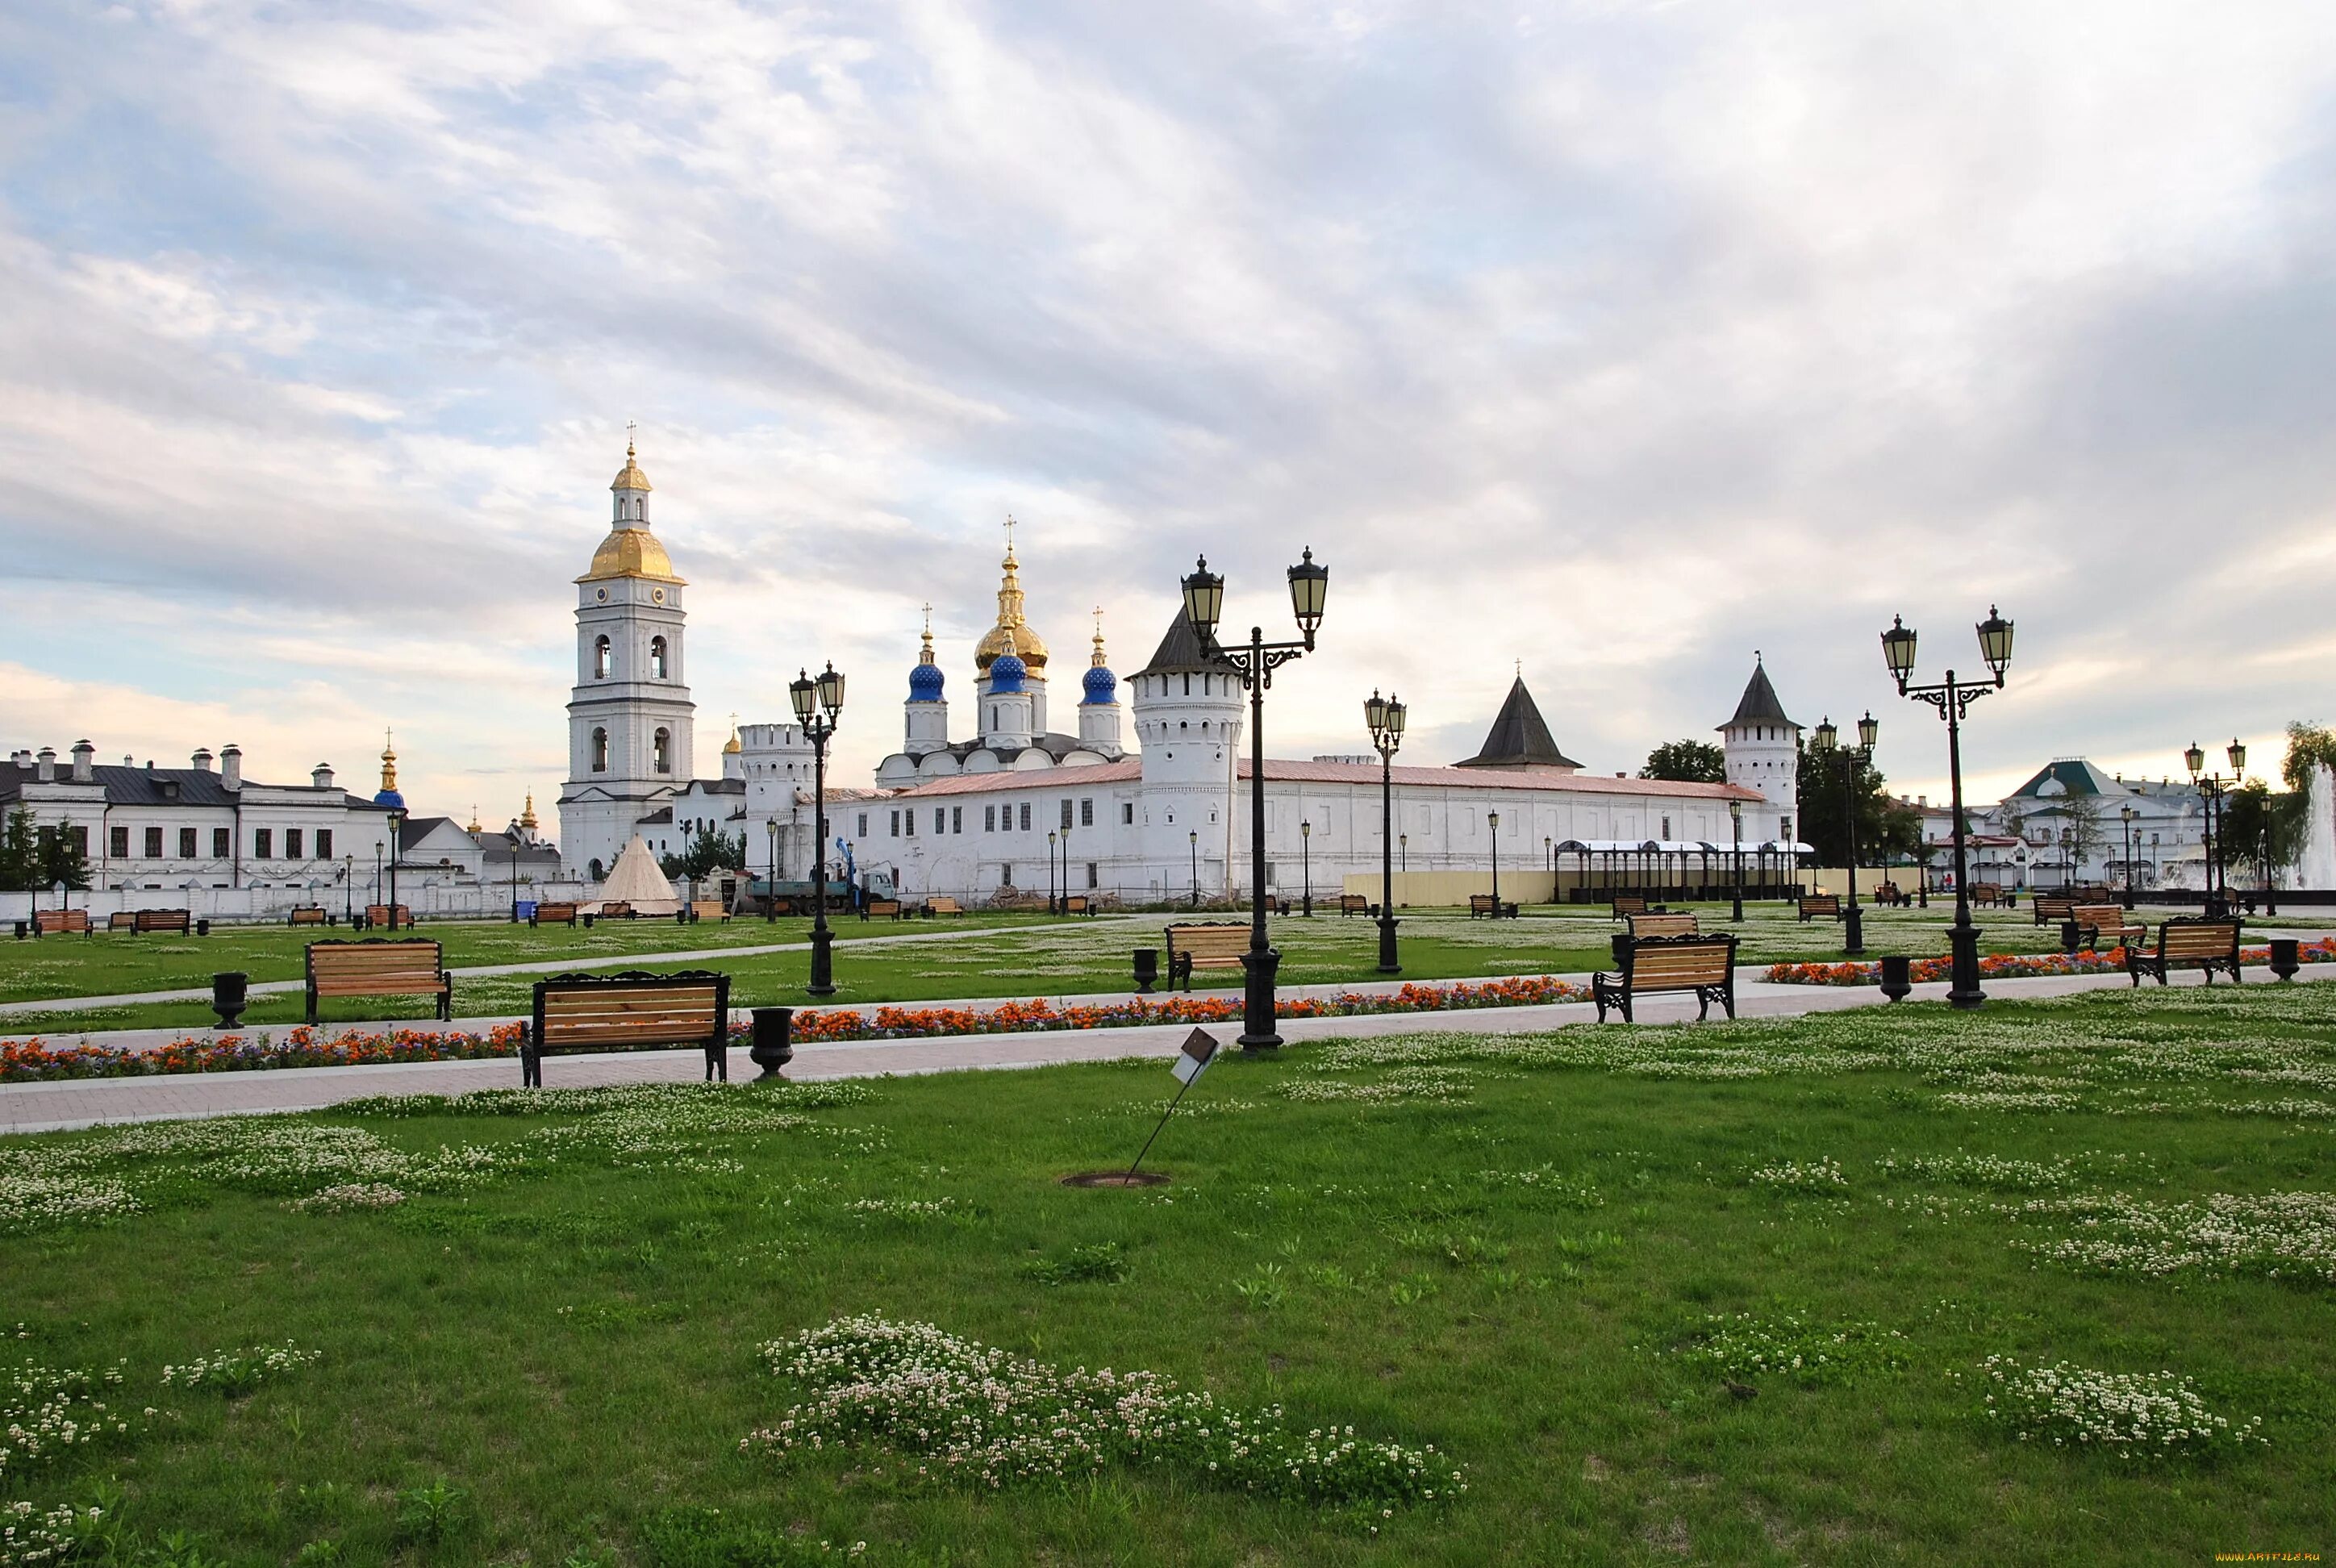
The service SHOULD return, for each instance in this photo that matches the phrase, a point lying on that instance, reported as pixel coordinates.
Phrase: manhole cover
(1115, 1179)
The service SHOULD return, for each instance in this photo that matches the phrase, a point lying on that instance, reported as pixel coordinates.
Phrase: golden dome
(631, 552)
(1012, 634)
(630, 476)
(731, 748)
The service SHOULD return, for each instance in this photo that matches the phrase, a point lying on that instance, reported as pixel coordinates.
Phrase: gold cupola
(1012, 634)
(631, 549)
(527, 815)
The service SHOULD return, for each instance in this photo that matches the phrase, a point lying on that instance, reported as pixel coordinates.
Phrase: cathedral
(1143, 800)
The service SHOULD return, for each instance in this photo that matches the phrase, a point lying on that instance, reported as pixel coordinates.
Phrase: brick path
(42, 1107)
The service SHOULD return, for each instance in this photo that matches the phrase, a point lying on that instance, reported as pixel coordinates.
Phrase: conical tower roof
(1760, 704)
(1519, 737)
(1179, 650)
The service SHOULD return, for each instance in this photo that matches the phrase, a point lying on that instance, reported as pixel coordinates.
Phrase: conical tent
(634, 880)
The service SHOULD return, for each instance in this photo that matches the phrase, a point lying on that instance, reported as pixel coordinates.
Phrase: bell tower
(1763, 749)
(629, 717)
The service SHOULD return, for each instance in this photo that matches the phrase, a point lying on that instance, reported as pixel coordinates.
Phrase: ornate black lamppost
(817, 704)
(1403, 852)
(1736, 826)
(1305, 859)
(2127, 814)
(1194, 837)
(1051, 907)
(396, 826)
(771, 888)
(1385, 716)
(514, 880)
(1853, 763)
(1205, 597)
(349, 889)
(2210, 790)
(1953, 699)
(1493, 829)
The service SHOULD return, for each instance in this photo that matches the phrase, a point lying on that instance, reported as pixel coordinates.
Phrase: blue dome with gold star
(1100, 685)
(1007, 673)
(925, 683)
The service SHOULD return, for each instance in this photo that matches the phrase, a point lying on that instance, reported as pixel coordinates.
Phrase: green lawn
(1012, 956)
(1506, 1247)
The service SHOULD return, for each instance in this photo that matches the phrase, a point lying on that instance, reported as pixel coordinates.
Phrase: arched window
(594, 867)
(657, 659)
(601, 658)
(599, 751)
(661, 751)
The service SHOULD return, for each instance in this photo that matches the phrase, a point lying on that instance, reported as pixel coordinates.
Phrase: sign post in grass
(1199, 1050)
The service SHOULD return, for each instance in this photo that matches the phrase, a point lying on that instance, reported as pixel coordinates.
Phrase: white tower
(1099, 702)
(1763, 752)
(924, 717)
(1006, 706)
(629, 739)
(1188, 720)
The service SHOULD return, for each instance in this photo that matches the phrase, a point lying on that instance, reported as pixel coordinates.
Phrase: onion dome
(630, 476)
(1012, 634)
(926, 680)
(388, 796)
(527, 816)
(732, 746)
(1007, 673)
(630, 552)
(1099, 683)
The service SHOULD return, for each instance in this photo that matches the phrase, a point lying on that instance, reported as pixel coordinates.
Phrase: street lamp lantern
(1205, 600)
(1898, 651)
(1375, 712)
(803, 692)
(2238, 755)
(1826, 735)
(830, 690)
(2195, 757)
(1868, 731)
(1995, 643)
(1310, 585)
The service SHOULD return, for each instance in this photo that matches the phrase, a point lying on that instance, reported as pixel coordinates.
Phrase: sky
(1611, 342)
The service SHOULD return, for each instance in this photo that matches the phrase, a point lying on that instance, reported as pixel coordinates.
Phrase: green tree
(62, 859)
(1886, 828)
(20, 854)
(1687, 762)
(2262, 830)
(2308, 746)
(710, 852)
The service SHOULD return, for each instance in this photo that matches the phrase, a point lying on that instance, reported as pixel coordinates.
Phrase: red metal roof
(1278, 770)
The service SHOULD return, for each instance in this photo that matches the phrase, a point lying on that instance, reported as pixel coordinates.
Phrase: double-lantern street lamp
(1493, 821)
(1953, 699)
(2210, 788)
(817, 704)
(1204, 600)
(396, 837)
(1385, 716)
(1852, 766)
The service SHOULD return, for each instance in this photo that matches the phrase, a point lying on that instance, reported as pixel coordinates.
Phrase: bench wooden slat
(630, 1011)
(380, 966)
(1681, 925)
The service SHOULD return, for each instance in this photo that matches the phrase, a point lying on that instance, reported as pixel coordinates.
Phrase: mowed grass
(1000, 955)
(1498, 1255)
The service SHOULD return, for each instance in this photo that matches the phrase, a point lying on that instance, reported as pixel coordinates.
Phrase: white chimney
(202, 759)
(85, 757)
(46, 771)
(231, 766)
(321, 775)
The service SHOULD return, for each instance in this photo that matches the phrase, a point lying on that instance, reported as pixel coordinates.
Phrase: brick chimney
(231, 766)
(46, 767)
(202, 759)
(85, 764)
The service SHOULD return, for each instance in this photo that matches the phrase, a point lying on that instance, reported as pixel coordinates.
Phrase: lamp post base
(1389, 964)
(1963, 941)
(1853, 925)
(1258, 1033)
(822, 964)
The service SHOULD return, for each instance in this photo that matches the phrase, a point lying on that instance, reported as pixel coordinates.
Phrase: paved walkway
(49, 1108)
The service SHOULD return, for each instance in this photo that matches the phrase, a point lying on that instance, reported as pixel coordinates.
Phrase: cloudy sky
(1619, 339)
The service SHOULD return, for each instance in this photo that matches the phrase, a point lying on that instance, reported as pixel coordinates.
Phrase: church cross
(629, 428)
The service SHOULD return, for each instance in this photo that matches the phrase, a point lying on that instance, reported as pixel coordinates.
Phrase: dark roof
(1519, 738)
(2076, 777)
(1760, 704)
(1179, 650)
(138, 786)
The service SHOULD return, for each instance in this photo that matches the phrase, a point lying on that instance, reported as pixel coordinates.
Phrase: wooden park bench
(121, 920)
(378, 915)
(2191, 942)
(1703, 965)
(175, 921)
(1816, 904)
(2052, 908)
(943, 905)
(626, 1012)
(615, 909)
(61, 922)
(1628, 904)
(561, 914)
(306, 915)
(1988, 895)
(378, 967)
(1491, 908)
(1077, 904)
(1890, 893)
(1644, 926)
(1353, 905)
(707, 909)
(1217, 945)
(2101, 927)
(880, 910)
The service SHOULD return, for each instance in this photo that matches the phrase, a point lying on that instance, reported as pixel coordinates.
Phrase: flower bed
(23, 1061)
(2013, 966)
